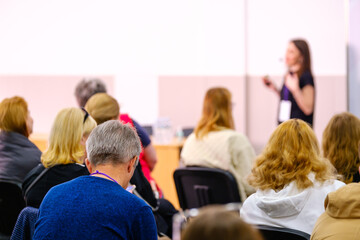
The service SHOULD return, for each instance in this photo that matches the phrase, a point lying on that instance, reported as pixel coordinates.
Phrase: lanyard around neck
(104, 174)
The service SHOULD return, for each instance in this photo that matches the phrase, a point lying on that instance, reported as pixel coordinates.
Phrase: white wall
(271, 24)
(354, 57)
(138, 41)
(134, 41)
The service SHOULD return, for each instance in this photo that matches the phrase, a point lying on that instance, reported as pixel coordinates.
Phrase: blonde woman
(17, 154)
(340, 144)
(291, 178)
(216, 144)
(64, 158)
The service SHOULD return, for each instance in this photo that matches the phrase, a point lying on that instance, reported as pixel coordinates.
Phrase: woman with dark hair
(297, 95)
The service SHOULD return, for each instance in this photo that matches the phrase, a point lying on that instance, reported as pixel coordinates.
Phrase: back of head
(217, 112)
(340, 142)
(112, 143)
(88, 87)
(290, 155)
(304, 49)
(103, 107)
(214, 223)
(13, 115)
(70, 125)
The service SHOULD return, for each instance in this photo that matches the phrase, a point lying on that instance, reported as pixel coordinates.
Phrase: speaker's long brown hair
(304, 49)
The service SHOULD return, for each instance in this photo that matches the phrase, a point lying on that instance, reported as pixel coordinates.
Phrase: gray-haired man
(98, 206)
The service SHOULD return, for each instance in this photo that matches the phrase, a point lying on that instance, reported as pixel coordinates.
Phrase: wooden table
(40, 140)
(168, 160)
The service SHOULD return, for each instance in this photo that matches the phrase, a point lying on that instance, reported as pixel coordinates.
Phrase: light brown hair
(290, 155)
(13, 115)
(214, 223)
(304, 49)
(340, 144)
(103, 107)
(216, 113)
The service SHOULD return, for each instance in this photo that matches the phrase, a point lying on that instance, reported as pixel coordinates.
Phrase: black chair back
(11, 203)
(276, 233)
(188, 131)
(200, 186)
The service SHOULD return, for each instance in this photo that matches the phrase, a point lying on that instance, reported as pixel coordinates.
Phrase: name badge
(285, 110)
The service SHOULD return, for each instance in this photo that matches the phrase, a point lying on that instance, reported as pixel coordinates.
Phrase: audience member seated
(17, 157)
(216, 144)
(291, 178)
(98, 206)
(87, 88)
(97, 105)
(340, 145)
(215, 222)
(17, 154)
(64, 158)
(103, 108)
(341, 219)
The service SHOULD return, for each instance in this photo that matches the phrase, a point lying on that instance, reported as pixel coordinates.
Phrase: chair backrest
(188, 131)
(200, 186)
(276, 233)
(11, 203)
(25, 224)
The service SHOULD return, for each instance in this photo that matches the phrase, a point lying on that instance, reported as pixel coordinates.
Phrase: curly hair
(217, 112)
(290, 155)
(340, 143)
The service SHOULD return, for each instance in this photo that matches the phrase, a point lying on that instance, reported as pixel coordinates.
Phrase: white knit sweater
(225, 149)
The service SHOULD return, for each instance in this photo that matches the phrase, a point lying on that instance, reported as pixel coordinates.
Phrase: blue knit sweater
(90, 207)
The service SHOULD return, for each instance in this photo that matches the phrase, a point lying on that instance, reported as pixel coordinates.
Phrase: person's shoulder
(250, 203)
(191, 137)
(135, 201)
(307, 74)
(329, 185)
(237, 137)
(31, 176)
(190, 140)
(75, 169)
(75, 183)
(307, 78)
(143, 135)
